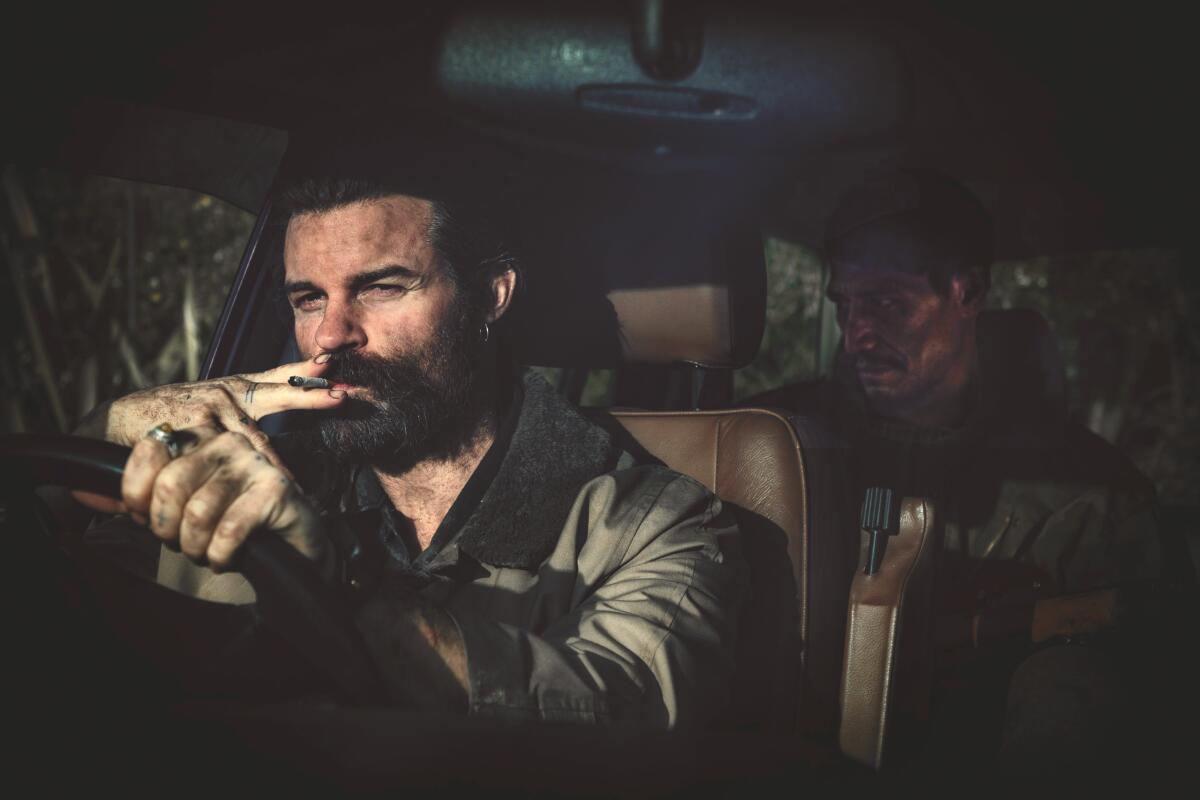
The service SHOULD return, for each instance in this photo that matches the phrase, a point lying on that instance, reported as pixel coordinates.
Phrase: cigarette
(309, 383)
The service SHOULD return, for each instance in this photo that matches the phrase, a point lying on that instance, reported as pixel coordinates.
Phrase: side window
(108, 286)
(800, 336)
(1130, 338)
(587, 387)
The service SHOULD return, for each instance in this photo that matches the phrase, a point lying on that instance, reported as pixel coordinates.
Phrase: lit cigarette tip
(309, 383)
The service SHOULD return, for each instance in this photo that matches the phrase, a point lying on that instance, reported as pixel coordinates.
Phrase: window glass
(792, 342)
(1130, 342)
(552, 375)
(597, 384)
(598, 389)
(108, 286)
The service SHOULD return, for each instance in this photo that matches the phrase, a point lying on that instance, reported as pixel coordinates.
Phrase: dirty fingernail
(322, 358)
(337, 394)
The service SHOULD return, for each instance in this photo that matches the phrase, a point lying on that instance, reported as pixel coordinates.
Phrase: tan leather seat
(751, 458)
(789, 658)
(790, 647)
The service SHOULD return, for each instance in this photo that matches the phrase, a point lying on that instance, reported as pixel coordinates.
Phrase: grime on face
(367, 290)
(911, 347)
(365, 277)
(409, 406)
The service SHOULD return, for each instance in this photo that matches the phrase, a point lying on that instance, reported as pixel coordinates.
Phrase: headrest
(656, 272)
(1019, 360)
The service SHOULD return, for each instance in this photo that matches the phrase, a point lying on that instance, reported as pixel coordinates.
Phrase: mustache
(371, 371)
(876, 360)
(420, 403)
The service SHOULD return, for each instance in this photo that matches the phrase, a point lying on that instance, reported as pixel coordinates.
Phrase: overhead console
(666, 78)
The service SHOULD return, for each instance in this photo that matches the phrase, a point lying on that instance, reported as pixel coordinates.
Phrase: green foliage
(124, 283)
(1125, 324)
(789, 347)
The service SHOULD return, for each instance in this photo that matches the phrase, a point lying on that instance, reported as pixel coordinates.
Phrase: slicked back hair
(465, 241)
(939, 225)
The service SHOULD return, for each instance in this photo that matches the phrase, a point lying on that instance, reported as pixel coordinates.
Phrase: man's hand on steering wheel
(234, 403)
(227, 479)
(237, 491)
(218, 489)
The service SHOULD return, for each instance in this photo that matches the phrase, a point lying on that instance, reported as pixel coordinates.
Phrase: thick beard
(425, 405)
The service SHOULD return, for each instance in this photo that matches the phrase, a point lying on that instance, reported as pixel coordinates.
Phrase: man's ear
(967, 290)
(502, 287)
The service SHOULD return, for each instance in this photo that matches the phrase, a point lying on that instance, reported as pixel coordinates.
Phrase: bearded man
(506, 556)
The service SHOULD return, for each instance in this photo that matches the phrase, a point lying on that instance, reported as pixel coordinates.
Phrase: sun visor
(235, 161)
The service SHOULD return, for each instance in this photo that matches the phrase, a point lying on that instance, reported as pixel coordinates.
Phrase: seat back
(1020, 362)
(751, 459)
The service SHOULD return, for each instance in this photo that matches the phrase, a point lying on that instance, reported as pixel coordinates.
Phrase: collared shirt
(365, 494)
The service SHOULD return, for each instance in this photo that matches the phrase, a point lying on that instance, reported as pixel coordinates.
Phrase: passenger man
(509, 557)
(926, 400)
(909, 257)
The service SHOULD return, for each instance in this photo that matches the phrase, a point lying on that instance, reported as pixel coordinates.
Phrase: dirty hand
(218, 490)
(233, 403)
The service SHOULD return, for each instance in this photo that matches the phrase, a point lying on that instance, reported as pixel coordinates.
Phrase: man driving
(505, 555)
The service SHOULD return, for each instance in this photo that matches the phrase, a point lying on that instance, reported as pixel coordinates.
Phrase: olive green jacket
(586, 586)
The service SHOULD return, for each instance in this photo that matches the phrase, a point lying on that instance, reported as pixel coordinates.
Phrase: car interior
(637, 153)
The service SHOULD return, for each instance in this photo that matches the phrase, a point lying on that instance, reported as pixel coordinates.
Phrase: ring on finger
(174, 440)
(166, 435)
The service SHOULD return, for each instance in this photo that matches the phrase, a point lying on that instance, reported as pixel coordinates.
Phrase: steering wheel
(292, 600)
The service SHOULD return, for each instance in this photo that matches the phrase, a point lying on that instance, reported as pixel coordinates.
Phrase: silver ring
(165, 434)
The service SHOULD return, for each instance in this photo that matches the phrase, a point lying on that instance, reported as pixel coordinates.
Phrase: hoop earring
(485, 333)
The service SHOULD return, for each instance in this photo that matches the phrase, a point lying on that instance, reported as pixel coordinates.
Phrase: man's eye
(307, 302)
(378, 291)
(885, 303)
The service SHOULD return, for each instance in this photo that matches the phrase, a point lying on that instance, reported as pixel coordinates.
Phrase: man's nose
(860, 333)
(339, 328)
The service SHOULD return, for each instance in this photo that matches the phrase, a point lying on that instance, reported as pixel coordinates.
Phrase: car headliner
(1061, 121)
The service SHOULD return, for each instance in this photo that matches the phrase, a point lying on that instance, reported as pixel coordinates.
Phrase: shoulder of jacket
(1106, 462)
(643, 489)
(1064, 452)
(656, 477)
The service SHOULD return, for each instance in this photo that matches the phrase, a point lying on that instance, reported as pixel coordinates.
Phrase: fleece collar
(554, 451)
